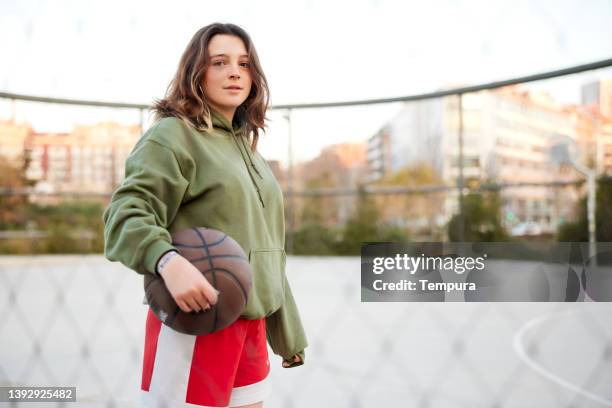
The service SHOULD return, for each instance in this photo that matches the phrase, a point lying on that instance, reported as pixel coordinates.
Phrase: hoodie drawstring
(251, 159)
(248, 169)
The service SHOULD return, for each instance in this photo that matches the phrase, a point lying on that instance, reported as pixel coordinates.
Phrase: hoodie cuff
(302, 355)
(155, 251)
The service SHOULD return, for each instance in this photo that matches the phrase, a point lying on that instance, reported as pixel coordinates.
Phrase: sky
(311, 51)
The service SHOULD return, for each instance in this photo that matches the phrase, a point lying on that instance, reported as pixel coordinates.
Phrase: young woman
(198, 166)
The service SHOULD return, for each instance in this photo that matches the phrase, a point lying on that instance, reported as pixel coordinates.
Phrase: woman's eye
(244, 64)
(218, 63)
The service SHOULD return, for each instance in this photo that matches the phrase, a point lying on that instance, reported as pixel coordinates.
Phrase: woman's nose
(234, 71)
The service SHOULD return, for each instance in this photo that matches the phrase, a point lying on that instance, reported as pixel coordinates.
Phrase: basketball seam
(206, 249)
(198, 246)
(235, 279)
(216, 256)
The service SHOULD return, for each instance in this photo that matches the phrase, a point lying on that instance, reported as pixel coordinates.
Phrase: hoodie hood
(220, 122)
(238, 133)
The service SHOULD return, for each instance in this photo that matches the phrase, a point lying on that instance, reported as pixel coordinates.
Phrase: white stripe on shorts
(171, 370)
(250, 394)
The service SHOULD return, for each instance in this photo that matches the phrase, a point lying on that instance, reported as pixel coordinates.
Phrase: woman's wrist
(163, 261)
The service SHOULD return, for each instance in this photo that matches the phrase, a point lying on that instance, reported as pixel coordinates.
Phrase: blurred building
(12, 141)
(597, 109)
(379, 155)
(337, 166)
(50, 163)
(88, 159)
(605, 148)
(344, 165)
(98, 156)
(598, 94)
(506, 137)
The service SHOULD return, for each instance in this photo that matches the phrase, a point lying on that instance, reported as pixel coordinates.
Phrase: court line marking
(522, 354)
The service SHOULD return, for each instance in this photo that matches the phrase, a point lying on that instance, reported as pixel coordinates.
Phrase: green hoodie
(176, 178)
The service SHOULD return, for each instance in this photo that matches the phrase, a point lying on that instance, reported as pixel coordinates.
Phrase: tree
(313, 239)
(578, 230)
(319, 209)
(13, 208)
(365, 226)
(482, 220)
(413, 209)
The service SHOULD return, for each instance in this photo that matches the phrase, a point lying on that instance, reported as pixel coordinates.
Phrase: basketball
(224, 264)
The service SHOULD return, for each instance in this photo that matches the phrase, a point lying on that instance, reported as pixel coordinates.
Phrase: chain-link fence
(76, 321)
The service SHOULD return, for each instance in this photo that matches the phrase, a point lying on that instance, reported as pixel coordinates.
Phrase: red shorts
(226, 368)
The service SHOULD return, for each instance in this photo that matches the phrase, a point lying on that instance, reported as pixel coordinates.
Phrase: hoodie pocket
(268, 266)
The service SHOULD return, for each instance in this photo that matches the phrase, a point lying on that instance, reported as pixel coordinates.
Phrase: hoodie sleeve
(284, 329)
(143, 206)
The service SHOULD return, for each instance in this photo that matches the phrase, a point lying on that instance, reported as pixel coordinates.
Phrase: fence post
(460, 181)
(290, 195)
(140, 119)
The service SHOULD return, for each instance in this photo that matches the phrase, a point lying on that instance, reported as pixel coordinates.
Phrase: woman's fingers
(194, 304)
(189, 288)
(296, 359)
(209, 291)
(183, 306)
(201, 300)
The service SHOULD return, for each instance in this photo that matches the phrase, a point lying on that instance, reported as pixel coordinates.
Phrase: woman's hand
(296, 359)
(189, 288)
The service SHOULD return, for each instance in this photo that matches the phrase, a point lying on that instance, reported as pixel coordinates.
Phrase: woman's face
(227, 80)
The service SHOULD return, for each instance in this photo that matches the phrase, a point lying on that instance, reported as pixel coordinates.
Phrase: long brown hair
(185, 97)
